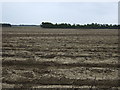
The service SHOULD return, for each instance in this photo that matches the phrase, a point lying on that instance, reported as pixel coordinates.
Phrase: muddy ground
(33, 57)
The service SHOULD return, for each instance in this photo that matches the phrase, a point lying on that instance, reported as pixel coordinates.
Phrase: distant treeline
(9, 25)
(69, 26)
(26, 25)
(78, 26)
(5, 25)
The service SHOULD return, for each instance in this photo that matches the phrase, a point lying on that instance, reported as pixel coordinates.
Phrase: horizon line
(58, 23)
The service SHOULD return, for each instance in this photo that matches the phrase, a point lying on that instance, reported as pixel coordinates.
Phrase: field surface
(33, 57)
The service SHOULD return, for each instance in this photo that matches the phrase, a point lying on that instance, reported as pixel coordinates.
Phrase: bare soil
(33, 57)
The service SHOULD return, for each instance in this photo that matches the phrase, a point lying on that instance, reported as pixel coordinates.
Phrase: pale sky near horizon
(60, 12)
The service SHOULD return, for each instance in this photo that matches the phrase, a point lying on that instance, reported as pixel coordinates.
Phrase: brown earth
(33, 57)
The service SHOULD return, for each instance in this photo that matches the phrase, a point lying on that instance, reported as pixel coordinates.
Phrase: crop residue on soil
(33, 57)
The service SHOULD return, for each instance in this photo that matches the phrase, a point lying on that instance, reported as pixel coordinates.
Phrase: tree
(5, 25)
(78, 26)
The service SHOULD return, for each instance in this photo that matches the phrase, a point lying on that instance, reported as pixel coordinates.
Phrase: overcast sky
(60, 12)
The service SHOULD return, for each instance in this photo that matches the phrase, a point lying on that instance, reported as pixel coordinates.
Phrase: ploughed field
(33, 57)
